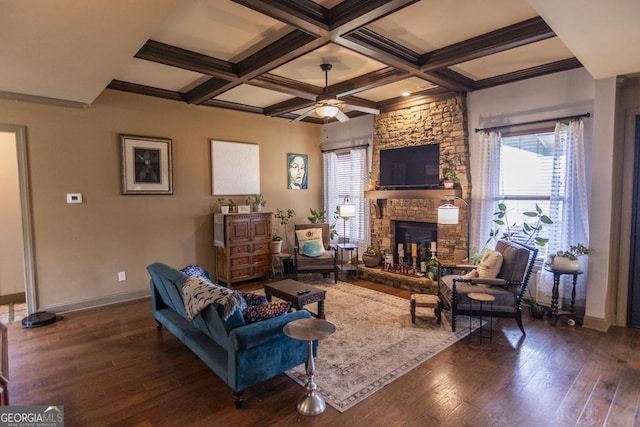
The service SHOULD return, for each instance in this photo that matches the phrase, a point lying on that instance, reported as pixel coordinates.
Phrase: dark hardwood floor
(110, 366)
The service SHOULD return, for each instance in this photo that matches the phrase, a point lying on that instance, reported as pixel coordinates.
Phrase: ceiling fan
(328, 105)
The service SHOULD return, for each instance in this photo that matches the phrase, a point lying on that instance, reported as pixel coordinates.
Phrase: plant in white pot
(283, 218)
(276, 244)
(567, 261)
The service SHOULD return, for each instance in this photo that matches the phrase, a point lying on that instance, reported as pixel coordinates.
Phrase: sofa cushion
(310, 241)
(253, 299)
(490, 265)
(257, 313)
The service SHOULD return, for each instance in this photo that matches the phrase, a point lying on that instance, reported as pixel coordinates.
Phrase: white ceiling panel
(428, 25)
(220, 28)
(159, 75)
(532, 55)
(393, 90)
(254, 96)
(346, 65)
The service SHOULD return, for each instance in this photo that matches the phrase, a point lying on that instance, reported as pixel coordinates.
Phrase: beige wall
(80, 248)
(11, 248)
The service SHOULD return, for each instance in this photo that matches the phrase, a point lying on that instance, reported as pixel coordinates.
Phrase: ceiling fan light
(327, 111)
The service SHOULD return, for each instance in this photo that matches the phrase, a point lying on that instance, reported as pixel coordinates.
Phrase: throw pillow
(257, 313)
(490, 265)
(310, 241)
(193, 270)
(253, 299)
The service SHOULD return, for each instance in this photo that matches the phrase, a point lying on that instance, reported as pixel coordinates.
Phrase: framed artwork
(145, 165)
(235, 168)
(297, 171)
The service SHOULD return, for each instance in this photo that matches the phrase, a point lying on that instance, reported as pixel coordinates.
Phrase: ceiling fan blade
(342, 117)
(362, 109)
(305, 114)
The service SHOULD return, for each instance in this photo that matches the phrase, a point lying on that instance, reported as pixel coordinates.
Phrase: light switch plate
(74, 198)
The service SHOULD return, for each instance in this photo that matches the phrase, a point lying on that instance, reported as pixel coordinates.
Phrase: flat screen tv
(415, 167)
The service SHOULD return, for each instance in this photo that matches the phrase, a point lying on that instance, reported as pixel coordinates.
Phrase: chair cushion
(310, 241)
(505, 295)
(490, 265)
(324, 261)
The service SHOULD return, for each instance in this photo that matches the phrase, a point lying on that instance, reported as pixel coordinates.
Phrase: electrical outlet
(122, 276)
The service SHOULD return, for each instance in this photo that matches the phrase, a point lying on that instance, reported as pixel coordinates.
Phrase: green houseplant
(371, 257)
(567, 260)
(320, 217)
(224, 205)
(449, 178)
(283, 218)
(258, 201)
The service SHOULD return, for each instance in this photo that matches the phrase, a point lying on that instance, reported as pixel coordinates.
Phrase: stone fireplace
(442, 121)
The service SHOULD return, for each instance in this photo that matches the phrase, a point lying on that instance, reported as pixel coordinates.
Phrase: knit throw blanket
(199, 292)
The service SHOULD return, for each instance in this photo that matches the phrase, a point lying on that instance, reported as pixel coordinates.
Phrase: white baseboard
(97, 302)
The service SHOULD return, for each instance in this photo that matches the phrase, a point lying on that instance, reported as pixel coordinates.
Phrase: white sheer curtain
(486, 189)
(330, 163)
(347, 176)
(569, 207)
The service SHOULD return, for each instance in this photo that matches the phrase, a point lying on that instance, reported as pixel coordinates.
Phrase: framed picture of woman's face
(297, 171)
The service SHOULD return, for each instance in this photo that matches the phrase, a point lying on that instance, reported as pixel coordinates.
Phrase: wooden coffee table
(291, 291)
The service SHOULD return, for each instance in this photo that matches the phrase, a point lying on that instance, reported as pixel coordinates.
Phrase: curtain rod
(344, 148)
(557, 119)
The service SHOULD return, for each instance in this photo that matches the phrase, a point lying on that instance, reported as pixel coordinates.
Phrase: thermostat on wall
(74, 198)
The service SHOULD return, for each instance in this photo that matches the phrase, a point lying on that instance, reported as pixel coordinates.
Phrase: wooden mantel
(381, 195)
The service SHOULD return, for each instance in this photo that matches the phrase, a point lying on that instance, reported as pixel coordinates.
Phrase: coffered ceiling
(264, 56)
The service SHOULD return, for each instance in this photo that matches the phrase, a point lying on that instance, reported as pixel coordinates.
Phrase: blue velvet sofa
(240, 354)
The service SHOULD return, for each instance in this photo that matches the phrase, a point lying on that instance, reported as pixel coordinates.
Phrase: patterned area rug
(375, 343)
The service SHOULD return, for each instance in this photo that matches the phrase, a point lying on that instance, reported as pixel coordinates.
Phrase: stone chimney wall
(442, 121)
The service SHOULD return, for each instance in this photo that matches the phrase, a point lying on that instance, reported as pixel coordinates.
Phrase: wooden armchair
(325, 263)
(508, 287)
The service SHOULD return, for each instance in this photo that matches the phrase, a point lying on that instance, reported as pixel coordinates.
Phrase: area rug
(375, 343)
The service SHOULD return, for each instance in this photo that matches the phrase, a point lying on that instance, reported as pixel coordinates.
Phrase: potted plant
(233, 207)
(567, 261)
(316, 217)
(258, 201)
(224, 205)
(276, 244)
(449, 178)
(371, 257)
(283, 218)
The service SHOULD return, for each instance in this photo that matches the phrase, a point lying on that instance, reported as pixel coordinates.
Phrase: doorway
(18, 264)
(633, 306)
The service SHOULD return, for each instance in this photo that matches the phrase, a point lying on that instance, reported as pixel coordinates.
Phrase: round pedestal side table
(482, 298)
(310, 330)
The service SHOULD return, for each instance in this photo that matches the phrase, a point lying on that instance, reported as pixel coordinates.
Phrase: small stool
(482, 298)
(427, 301)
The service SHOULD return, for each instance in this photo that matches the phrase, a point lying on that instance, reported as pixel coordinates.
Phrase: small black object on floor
(40, 318)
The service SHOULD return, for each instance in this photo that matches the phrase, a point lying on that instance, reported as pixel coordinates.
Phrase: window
(345, 179)
(526, 172)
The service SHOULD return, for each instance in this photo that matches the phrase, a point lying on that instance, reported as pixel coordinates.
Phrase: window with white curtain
(526, 172)
(345, 181)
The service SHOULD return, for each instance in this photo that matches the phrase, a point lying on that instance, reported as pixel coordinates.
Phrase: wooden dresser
(242, 246)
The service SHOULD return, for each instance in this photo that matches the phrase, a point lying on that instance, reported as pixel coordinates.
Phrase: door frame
(20, 135)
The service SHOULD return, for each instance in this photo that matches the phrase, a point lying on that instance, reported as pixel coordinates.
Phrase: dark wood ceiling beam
(233, 106)
(352, 14)
(285, 85)
(516, 35)
(145, 90)
(541, 70)
(181, 58)
(288, 106)
(305, 15)
(368, 81)
(288, 47)
(418, 98)
(451, 80)
(209, 89)
(383, 47)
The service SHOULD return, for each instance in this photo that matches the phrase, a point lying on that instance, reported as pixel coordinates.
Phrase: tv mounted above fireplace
(415, 167)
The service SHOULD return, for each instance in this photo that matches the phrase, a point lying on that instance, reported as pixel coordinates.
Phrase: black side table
(555, 296)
